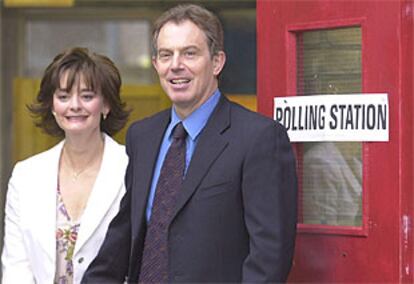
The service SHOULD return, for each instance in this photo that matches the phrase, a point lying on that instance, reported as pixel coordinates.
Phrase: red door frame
(382, 249)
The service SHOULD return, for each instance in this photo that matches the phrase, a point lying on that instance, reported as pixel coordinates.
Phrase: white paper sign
(356, 117)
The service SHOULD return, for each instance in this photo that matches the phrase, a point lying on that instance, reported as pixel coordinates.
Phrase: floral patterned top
(66, 235)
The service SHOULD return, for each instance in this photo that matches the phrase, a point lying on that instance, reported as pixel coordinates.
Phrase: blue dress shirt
(193, 124)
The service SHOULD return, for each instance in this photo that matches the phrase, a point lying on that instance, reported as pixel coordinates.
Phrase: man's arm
(112, 262)
(270, 200)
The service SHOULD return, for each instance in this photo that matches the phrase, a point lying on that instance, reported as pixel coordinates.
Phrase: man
(233, 218)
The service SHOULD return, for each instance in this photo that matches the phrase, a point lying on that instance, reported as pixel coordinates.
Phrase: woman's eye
(62, 97)
(88, 97)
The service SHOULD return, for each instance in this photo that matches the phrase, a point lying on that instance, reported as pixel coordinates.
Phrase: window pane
(329, 62)
(125, 42)
(239, 73)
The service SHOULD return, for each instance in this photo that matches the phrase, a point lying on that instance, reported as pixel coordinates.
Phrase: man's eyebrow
(180, 49)
(163, 49)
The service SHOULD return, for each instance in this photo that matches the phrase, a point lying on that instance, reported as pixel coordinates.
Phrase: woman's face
(78, 111)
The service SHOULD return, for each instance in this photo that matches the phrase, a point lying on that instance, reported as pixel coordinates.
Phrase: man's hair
(201, 17)
(99, 74)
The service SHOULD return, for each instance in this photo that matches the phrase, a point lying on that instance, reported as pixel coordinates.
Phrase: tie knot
(179, 131)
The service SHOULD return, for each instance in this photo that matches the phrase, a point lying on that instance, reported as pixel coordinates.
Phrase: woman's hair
(99, 74)
(201, 17)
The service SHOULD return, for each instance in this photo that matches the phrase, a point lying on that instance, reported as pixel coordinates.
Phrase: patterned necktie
(154, 265)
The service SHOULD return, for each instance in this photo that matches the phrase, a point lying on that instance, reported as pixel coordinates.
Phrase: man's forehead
(184, 33)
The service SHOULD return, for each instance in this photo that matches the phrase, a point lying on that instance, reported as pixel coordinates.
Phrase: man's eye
(164, 55)
(190, 53)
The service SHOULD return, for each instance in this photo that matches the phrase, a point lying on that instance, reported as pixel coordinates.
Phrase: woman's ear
(105, 111)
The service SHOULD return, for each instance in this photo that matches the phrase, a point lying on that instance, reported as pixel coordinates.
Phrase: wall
(8, 70)
(2, 150)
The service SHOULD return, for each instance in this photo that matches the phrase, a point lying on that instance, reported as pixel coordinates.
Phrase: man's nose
(176, 62)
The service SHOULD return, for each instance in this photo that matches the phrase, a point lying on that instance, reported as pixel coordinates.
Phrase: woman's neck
(83, 151)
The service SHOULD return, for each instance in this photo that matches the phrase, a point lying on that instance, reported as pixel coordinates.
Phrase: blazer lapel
(45, 181)
(210, 145)
(145, 156)
(105, 191)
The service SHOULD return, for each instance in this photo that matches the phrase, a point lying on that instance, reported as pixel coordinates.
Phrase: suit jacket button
(80, 260)
(178, 275)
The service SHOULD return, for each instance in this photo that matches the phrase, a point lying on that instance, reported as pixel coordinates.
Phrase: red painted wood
(382, 250)
(407, 141)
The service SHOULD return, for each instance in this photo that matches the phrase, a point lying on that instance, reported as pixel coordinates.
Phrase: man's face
(185, 66)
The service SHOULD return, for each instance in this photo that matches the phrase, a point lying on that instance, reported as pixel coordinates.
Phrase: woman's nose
(75, 103)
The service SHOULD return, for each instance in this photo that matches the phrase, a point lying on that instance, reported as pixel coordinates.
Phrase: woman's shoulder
(36, 169)
(114, 150)
(114, 145)
(41, 158)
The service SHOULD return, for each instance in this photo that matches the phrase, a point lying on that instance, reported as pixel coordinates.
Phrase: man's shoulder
(244, 116)
(151, 121)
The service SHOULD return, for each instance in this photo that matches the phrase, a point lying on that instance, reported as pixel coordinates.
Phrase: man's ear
(154, 62)
(219, 60)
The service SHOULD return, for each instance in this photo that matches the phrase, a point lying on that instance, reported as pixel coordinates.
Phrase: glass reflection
(329, 62)
(332, 179)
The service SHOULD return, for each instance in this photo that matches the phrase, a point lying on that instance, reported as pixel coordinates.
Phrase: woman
(60, 202)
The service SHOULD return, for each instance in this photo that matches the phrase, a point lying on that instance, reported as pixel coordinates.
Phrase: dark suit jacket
(236, 215)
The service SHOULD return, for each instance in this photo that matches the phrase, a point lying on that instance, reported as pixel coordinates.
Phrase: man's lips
(179, 81)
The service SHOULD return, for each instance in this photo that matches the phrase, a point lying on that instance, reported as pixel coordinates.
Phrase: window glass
(239, 73)
(329, 62)
(125, 42)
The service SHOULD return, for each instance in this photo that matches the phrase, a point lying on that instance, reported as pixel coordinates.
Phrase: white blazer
(29, 253)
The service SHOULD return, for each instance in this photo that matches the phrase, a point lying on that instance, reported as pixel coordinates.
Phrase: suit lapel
(146, 153)
(105, 190)
(210, 145)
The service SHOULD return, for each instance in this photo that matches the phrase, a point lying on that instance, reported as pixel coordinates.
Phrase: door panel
(372, 249)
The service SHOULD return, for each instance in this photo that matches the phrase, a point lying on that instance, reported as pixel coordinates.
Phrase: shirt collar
(196, 121)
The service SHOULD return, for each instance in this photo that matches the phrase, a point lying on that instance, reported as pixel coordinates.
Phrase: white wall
(2, 160)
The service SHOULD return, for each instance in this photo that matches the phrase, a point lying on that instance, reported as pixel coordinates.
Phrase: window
(124, 42)
(329, 62)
